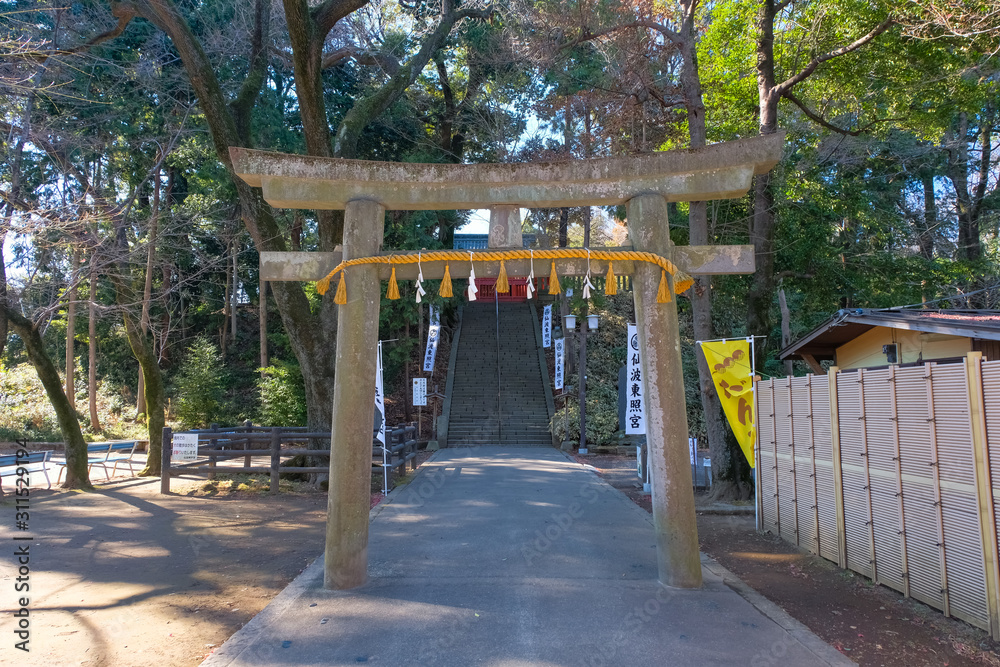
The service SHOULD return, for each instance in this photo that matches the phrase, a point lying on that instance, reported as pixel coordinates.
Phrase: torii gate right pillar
(674, 521)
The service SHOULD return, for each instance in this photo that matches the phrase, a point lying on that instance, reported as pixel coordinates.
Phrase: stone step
(498, 395)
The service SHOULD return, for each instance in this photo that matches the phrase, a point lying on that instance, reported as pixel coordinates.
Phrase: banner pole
(756, 432)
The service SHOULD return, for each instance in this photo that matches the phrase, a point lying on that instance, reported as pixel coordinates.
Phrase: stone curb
(725, 509)
(797, 630)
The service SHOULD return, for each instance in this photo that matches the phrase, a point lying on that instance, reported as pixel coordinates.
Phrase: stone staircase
(485, 410)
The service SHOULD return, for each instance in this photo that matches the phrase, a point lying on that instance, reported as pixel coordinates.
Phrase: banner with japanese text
(732, 373)
(560, 347)
(433, 335)
(635, 408)
(379, 398)
(547, 327)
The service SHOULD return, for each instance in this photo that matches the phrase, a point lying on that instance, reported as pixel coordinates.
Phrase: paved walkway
(515, 557)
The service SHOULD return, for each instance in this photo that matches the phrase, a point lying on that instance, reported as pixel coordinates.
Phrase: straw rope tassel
(610, 282)
(445, 289)
(502, 286)
(663, 294)
(340, 298)
(554, 287)
(322, 286)
(393, 291)
(682, 282)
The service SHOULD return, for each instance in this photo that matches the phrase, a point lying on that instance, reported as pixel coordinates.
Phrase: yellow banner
(733, 376)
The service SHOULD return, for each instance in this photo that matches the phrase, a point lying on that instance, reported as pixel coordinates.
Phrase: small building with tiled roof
(867, 338)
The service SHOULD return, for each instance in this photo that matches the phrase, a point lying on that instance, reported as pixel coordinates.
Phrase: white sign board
(184, 447)
(560, 350)
(547, 327)
(420, 391)
(379, 397)
(635, 408)
(433, 335)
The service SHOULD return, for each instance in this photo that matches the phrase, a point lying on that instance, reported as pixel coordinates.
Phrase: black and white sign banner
(635, 408)
(547, 326)
(560, 347)
(379, 397)
(433, 334)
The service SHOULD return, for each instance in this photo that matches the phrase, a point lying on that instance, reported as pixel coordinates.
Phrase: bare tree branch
(802, 74)
(326, 15)
(361, 56)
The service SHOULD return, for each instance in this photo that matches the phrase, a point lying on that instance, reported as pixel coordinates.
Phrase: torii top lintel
(719, 171)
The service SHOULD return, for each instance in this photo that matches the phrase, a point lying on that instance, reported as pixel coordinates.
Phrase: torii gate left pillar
(349, 500)
(365, 190)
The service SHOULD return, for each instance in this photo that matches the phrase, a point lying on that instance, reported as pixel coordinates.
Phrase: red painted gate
(518, 291)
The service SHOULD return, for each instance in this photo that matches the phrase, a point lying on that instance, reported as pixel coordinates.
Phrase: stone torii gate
(645, 184)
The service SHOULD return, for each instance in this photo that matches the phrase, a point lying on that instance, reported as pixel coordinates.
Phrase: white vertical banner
(379, 397)
(635, 407)
(560, 349)
(420, 391)
(547, 326)
(433, 334)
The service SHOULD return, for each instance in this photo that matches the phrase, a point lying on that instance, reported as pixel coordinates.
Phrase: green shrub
(605, 355)
(602, 418)
(282, 396)
(200, 385)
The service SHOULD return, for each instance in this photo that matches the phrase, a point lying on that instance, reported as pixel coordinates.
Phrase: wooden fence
(278, 444)
(890, 473)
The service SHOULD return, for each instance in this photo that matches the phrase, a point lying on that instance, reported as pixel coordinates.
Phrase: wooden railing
(216, 445)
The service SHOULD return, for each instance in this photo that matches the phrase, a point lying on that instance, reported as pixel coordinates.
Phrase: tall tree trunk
(407, 410)
(3, 288)
(71, 331)
(925, 235)
(786, 328)
(262, 306)
(969, 244)
(76, 449)
(761, 293)
(224, 333)
(235, 294)
(147, 293)
(568, 153)
(95, 421)
(726, 483)
(298, 221)
(142, 350)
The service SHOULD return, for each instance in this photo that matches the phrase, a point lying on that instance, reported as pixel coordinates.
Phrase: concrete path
(514, 557)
